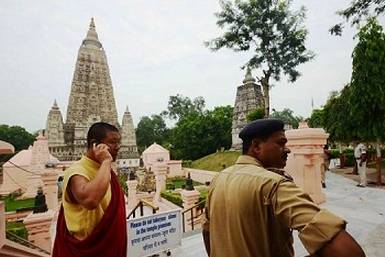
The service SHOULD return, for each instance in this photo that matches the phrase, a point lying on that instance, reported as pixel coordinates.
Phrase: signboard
(153, 234)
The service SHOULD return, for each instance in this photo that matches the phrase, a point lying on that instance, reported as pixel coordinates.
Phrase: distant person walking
(252, 207)
(92, 218)
(361, 157)
(326, 164)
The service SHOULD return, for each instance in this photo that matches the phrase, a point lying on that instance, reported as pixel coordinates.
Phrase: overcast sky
(154, 49)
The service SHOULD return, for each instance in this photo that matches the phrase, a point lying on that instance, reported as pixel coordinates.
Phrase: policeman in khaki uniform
(253, 207)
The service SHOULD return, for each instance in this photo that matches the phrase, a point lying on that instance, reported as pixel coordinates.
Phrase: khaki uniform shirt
(251, 212)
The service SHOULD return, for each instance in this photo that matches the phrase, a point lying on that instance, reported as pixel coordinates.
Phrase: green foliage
(151, 129)
(367, 91)
(178, 182)
(256, 114)
(337, 117)
(359, 110)
(173, 197)
(17, 228)
(17, 136)
(271, 31)
(216, 161)
(287, 116)
(187, 163)
(334, 153)
(199, 134)
(316, 119)
(180, 107)
(122, 181)
(349, 157)
(357, 11)
(203, 196)
(13, 205)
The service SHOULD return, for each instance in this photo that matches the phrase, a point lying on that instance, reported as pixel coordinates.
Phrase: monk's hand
(101, 152)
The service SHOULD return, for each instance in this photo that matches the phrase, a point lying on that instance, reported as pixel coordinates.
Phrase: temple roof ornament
(92, 36)
(248, 77)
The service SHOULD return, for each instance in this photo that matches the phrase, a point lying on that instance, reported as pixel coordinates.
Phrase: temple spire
(92, 38)
(248, 76)
(92, 23)
(127, 109)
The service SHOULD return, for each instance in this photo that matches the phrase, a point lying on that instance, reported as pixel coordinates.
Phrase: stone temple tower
(128, 136)
(91, 100)
(249, 97)
(55, 127)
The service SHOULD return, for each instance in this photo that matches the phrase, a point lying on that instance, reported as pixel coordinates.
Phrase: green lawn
(13, 205)
(216, 161)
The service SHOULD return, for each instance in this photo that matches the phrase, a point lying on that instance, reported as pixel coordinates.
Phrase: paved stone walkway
(363, 208)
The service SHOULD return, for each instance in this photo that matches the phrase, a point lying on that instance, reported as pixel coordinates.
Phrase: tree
(197, 135)
(274, 33)
(17, 136)
(357, 11)
(367, 92)
(258, 113)
(151, 129)
(287, 116)
(180, 106)
(316, 119)
(337, 117)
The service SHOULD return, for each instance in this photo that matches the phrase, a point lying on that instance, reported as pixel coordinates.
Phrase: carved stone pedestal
(190, 198)
(305, 161)
(38, 226)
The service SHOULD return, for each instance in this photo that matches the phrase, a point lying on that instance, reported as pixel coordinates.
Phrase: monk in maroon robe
(92, 218)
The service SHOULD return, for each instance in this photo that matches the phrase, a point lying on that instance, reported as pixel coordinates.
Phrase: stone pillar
(132, 199)
(305, 161)
(190, 198)
(38, 226)
(50, 189)
(160, 172)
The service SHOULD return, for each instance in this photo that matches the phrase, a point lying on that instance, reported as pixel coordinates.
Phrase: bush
(187, 163)
(18, 229)
(202, 197)
(173, 197)
(334, 154)
(170, 186)
(349, 157)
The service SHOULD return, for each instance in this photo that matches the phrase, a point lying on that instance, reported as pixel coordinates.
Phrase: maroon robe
(109, 238)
